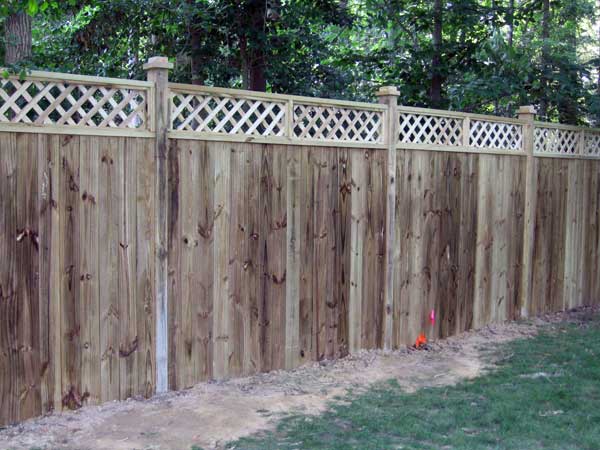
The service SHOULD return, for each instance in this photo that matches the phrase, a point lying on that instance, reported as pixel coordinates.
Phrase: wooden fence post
(388, 95)
(527, 114)
(158, 73)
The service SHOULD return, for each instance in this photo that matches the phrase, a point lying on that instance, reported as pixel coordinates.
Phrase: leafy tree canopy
(486, 56)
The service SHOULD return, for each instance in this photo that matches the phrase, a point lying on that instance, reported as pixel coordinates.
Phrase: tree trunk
(18, 38)
(436, 60)
(196, 54)
(256, 75)
(544, 76)
(510, 20)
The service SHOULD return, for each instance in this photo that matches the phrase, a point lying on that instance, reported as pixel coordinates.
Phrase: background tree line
(485, 56)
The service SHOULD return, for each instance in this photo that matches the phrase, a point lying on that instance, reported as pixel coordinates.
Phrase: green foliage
(544, 394)
(493, 56)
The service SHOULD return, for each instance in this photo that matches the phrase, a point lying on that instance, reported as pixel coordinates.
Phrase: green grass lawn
(545, 393)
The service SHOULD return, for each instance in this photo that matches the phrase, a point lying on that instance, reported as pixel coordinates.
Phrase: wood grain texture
(89, 278)
(69, 217)
(223, 305)
(27, 272)
(9, 347)
(145, 268)
(49, 272)
(110, 202)
(276, 256)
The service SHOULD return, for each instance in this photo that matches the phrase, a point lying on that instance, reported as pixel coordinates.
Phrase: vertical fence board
(273, 225)
(223, 307)
(173, 262)
(128, 342)
(145, 247)
(465, 290)
(236, 257)
(69, 206)
(292, 292)
(482, 313)
(323, 256)
(307, 351)
(203, 319)
(9, 367)
(49, 272)
(188, 213)
(357, 247)
(27, 272)
(89, 279)
(342, 245)
(252, 276)
(109, 215)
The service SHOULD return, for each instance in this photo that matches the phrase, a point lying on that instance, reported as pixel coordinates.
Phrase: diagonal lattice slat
(229, 115)
(495, 135)
(63, 103)
(432, 130)
(592, 144)
(334, 123)
(555, 141)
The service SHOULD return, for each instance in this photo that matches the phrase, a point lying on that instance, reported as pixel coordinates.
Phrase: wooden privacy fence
(154, 235)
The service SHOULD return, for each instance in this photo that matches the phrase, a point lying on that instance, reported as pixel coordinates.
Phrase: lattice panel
(592, 144)
(63, 103)
(205, 113)
(424, 129)
(337, 124)
(496, 135)
(555, 141)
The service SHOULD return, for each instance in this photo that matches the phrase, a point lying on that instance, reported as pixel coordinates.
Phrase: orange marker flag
(421, 340)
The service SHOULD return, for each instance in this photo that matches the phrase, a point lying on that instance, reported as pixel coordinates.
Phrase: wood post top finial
(158, 62)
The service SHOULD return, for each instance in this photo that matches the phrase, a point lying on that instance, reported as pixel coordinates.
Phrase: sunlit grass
(545, 393)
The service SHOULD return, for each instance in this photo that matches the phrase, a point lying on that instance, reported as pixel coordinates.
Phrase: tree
(487, 56)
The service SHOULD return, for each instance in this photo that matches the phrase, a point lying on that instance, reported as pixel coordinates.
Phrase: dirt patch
(211, 414)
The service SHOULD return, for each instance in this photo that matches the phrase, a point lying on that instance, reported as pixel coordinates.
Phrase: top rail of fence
(77, 104)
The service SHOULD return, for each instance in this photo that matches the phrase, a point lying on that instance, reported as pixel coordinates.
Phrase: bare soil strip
(212, 414)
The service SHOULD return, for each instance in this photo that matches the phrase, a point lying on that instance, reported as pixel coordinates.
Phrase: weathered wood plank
(145, 268)
(485, 242)
(466, 261)
(237, 241)
(188, 213)
(203, 329)
(89, 279)
(252, 275)
(324, 255)
(27, 272)
(342, 245)
(128, 333)
(273, 222)
(292, 285)
(49, 284)
(9, 367)
(68, 205)
(357, 247)
(307, 351)
(223, 306)
(110, 177)
(174, 265)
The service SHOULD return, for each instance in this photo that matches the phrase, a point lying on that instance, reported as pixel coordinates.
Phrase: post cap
(387, 90)
(527, 109)
(158, 62)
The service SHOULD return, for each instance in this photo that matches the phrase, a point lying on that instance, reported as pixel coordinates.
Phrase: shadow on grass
(544, 393)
